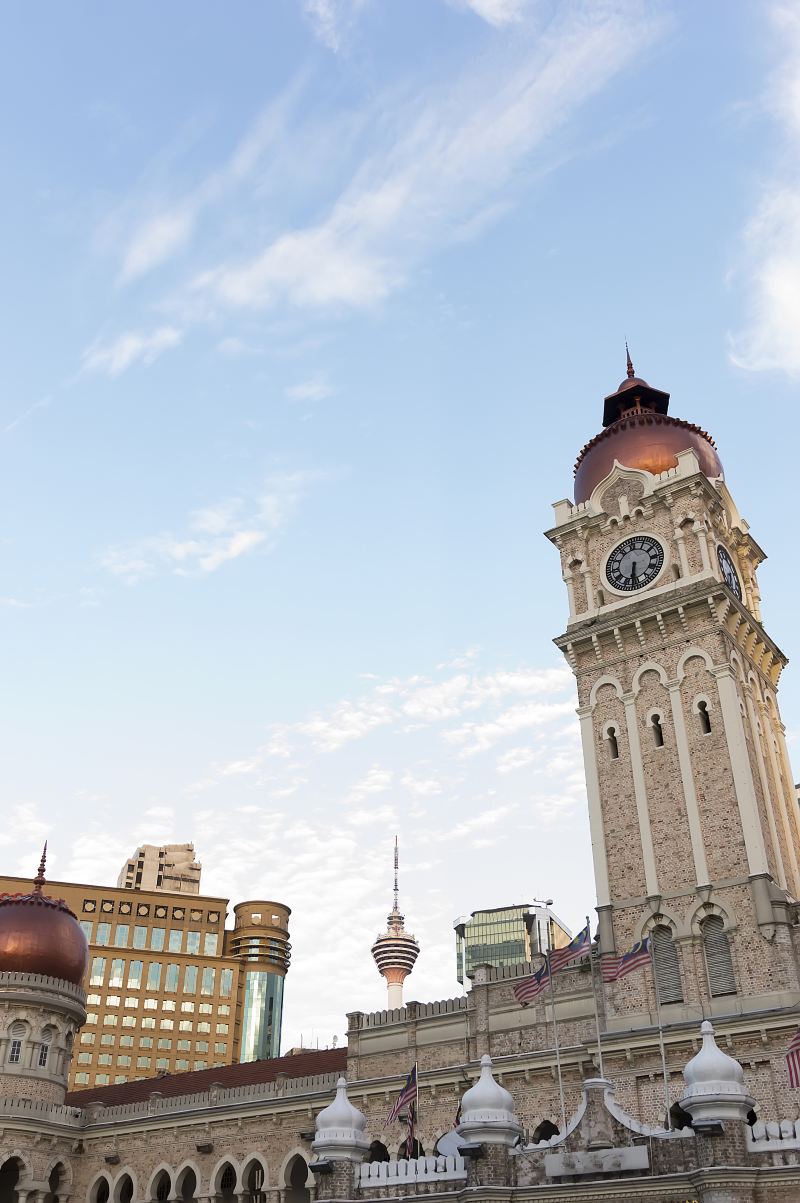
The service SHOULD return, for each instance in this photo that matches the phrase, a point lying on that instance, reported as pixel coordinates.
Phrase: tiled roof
(300, 1065)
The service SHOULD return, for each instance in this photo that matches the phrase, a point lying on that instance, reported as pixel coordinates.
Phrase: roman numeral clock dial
(634, 563)
(729, 573)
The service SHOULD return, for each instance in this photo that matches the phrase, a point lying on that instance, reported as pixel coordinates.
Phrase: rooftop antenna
(630, 371)
(38, 880)
(395, 874)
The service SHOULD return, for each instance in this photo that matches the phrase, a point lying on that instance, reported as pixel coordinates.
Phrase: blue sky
(308, 309)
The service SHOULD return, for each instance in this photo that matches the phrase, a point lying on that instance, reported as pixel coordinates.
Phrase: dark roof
(301, 1065)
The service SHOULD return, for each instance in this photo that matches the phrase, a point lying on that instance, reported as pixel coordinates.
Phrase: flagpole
(555, 1038)
(594, 999)
(415, 1112)
(661, 1045)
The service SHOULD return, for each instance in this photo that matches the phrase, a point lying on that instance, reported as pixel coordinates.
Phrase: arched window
(227, 1181)
(296, 1177)
(678, 1118)
(665, 965)
(705, 717)
(9, 1179)
(546, 1130)
(162, 1187)
(719, 965)
(613, 746)
(254, 1178)
(100, 1192)
(17, 1032)
(416, 1150)
(378, 1152)
(44, 1048)
(123, 1192)
(658, 732)
(54, 1181)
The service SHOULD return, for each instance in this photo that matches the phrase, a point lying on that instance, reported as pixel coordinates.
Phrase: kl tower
(396, 950)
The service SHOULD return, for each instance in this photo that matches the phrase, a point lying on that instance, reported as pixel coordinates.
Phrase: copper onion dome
(639, 433)
(39, 934)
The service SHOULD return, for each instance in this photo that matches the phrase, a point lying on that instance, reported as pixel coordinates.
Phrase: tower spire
(395, 908)
(628, 363)
(39, 879)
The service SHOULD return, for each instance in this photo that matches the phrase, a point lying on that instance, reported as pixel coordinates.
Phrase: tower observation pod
(395, 952)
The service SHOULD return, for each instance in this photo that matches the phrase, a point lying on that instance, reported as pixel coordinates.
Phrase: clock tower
(694, 821)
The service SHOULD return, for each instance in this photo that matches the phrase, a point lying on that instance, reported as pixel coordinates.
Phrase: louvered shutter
(718, 957)
(665, 962)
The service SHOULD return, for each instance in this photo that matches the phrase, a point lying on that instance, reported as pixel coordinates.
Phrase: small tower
(396, 951)
(43, 955)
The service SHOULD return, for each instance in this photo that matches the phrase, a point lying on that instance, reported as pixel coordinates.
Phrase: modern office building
(172, 868)
(168, 988)
(506, 935)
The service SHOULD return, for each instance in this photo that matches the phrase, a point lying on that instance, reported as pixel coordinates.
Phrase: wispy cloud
(215, 535)
(135, 346)
(768, 273)
(439, 163)
(316, 388)
(158, 239)
(496, 12)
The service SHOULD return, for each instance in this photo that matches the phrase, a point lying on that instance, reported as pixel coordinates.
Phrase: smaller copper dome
(643, 439)
(39, 934)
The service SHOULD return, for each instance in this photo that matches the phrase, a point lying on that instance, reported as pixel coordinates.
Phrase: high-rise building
(169, 867)
(506, 935)
(168, 988)
(396, 951)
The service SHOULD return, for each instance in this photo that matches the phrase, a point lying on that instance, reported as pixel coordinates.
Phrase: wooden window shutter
(665, 963)
(718, 957)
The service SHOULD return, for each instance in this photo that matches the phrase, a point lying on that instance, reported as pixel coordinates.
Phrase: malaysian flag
(410, 1142)
(531, 987)
(579, 946)
(613, 968)
(793, 1059)
(407, 1095)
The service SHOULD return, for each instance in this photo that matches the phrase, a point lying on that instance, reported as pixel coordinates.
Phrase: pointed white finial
(487, 1111)
(340, 1129)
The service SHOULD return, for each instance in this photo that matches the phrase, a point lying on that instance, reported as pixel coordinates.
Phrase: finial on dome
(487, 1111)
(39, 879)
(629, 365)
(715, 1089)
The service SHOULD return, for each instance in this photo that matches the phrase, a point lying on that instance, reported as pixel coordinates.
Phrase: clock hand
(633, 572)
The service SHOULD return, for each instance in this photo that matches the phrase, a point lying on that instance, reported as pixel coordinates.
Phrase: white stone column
(780, 800)
(687, 781)
(740, 766)
(642, 812)
(764, 779)
(791, 803)
(599, 857)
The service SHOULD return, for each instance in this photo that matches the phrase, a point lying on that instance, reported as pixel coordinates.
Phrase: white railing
(771, 1136)
(375, 1174)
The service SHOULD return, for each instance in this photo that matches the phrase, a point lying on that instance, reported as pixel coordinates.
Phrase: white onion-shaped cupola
(715, 1084)
(487, 1111)
(340, 1129)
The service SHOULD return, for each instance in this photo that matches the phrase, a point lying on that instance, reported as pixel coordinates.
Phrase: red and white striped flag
(793, 1059)
(613, 968)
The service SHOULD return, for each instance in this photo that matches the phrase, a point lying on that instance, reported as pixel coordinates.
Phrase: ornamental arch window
(10, 1173)
(665, 965)
(100, 1191)
(703, 716)
(719, 963)
(296, 1190)
(17, 1035)
(227, 1181)
(378, 1152)
(612, 743)
(656, 729)
(123, 1191)
(254, 1179)
(162, 1186)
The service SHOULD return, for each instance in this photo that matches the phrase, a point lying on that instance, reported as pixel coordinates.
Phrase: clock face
(729, 574)
(634, 563)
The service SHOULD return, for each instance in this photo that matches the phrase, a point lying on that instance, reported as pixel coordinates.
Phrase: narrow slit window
(613, 746)
(658, 733)
(705, 717)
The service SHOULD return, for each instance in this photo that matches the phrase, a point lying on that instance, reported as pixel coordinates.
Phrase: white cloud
(316, 388)
(768, 273)
(154, 242)
(440, 164)
(497, 12)
(323, 16)
(134, 346)
(216, 534)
